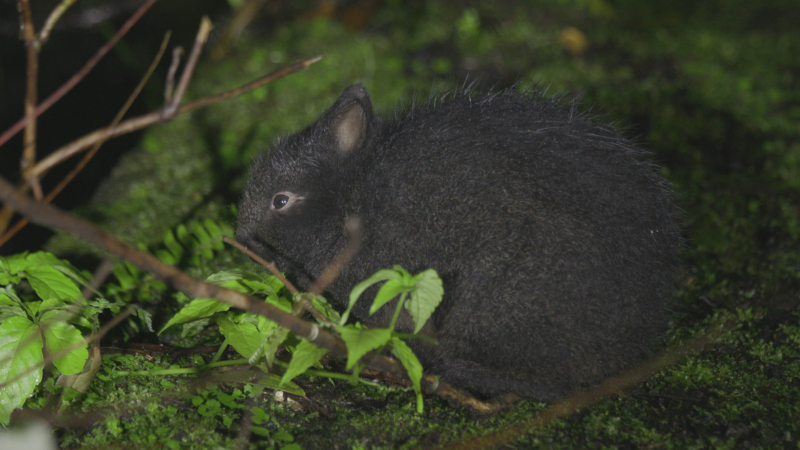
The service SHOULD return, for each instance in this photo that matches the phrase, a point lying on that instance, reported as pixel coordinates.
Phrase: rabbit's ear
(351, 118)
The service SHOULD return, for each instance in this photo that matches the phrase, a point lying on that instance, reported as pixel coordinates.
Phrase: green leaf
(244, 337)
(269, 346)
(359, 289)
(16, 359)
(81, 381)
(205, 240)
(125, 278)
(412, 365)
(388, 291)
(11, 311)
(172, 245)
(6, 278)
(425, 297)
(305, 355)
(242, 281)
(50, 283)
(361, 341)
(197, 309)
(320, 304)
(6, 300)
(14, 263)
(216, 232)
(144, 316)
(58, 336)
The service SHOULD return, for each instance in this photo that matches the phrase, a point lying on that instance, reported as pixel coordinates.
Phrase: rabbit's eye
(280, 200)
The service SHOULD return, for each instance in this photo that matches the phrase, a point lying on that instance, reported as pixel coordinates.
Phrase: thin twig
(58, 11)
(137, 123)
(171, 110)
(169, 86)
(353, 227)
(66, 87)
(32, 77)
(6, 213)
(140, 122)
(269, 265)
(90, 154)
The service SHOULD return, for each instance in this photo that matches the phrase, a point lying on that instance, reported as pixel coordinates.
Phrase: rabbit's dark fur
(553, 235)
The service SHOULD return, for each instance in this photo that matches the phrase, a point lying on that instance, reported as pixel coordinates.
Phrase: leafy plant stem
(220, 351)
(397, 310)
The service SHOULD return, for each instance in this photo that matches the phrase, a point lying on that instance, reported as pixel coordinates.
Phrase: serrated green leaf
(124, 277)
(205, 240)
(165, 257)
(16, 359)
(281, 303)
(359, 289)
(42, 259)
(197, 309)
(216, 232)
(182, 233)
(412, 365)
(6, 300)
(144, 316)
(228, 275)
(14, 263)
(425, 297)
(6, 278)
(305, 355)
(11, 311)
(173, 246)
(50, 304)
(59, 335)
(244, 337)
(269, 346)
(50, 283)
(360, 341)
(321, 304)
(249, 287)
(388, 291)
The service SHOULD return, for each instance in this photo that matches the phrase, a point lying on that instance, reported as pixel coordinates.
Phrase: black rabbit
(553, 235)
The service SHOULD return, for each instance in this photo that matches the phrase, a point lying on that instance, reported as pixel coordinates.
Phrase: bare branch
(169, 86)
(66, 87)
(29, 140)
(171, 110)
(51, 21)
(353, 227)
(90, 154)
(137, 123)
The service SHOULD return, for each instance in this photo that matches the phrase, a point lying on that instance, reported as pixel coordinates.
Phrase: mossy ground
(712, 88)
